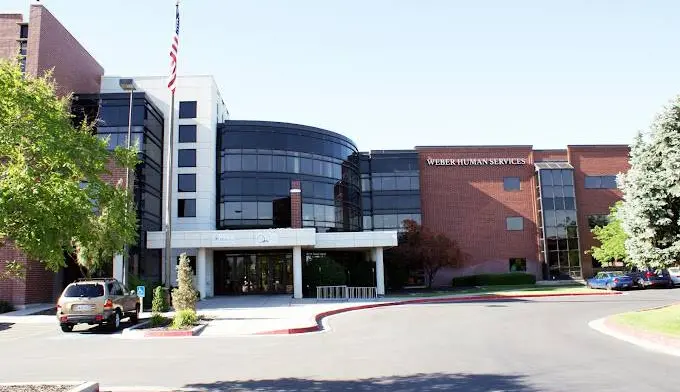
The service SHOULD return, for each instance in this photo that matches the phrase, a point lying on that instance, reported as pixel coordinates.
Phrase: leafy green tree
(612, 239)
(650, 214)
(53, 198)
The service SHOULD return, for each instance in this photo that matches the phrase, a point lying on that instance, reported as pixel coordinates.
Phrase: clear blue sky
(392, 74)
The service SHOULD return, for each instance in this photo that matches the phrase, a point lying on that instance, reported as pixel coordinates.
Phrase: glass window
(249, 186)
(597, 220)
(187, 133)
(23, 32)
(391, 221)
(186, 158)
(415, 183)
(376, 183)
(570, 217)
(403, 183)
(306, 166)
(514, 223)
(548, 191)
(572, 232)
(546, 177)
(569, 203)
(187, 109)
(319, 212)
(265, 210)
(548, 203)
(231, 186)
(365, 184)
(249, 210)
(568, 190)
(249, 163)
(232, 210)
(557, 177)
(549, 218)
(233, 162)
(558, 191)
(389, 183)
(186, 183)
(186, 208)
(368, 222)
(518, 264)
(511, 183)
(292, 164)
(378, 221)
(264, 163)
(608, 182)
(279, 163)
(307, 212)
(593, 182)
(567, 177)
(318, 167)
(90, 290)
(559, 203)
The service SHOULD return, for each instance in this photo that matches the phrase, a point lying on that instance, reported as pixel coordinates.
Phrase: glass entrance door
(253, 273)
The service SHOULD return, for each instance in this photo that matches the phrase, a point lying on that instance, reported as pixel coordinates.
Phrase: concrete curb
(639, 338)
(319, 318)
(77, 386)
(135, 333)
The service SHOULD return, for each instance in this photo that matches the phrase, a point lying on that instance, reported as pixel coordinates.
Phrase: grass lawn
(501, 290)
(665, 320)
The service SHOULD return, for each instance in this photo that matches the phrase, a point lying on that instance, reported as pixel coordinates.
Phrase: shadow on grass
(5, 326)
(416, 382)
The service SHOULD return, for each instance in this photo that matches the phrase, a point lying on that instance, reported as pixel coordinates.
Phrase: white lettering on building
(475, 161)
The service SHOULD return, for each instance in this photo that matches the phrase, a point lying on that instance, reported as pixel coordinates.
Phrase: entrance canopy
(273, 239)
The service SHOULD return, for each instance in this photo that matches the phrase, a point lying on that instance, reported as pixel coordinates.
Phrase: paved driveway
(512, 345)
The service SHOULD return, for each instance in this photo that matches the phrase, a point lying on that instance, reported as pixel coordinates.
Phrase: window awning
(553, 165)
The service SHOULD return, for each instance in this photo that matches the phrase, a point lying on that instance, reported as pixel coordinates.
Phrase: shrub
(512, 278)
(159, 304)
(6, 307)
(184, 297)
(322, 271)
(183, 319)
(157, 320)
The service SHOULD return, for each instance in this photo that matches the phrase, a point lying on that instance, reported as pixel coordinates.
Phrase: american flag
(173, 53)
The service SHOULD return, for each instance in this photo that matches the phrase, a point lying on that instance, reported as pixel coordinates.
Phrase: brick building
(42, 44)
(515, 208)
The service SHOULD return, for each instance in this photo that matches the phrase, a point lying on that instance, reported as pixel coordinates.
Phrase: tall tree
(429, 251)
(52, 194)
(612, 239)
(650, 214)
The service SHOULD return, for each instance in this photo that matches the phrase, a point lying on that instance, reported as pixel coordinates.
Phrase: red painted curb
(157, 334)
(494, 297)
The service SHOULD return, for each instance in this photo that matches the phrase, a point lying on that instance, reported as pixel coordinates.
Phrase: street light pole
(127, 85)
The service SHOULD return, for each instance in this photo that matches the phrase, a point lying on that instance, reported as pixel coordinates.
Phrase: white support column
(118, 267)
(297, 272)
(201, 271)
(379, 272)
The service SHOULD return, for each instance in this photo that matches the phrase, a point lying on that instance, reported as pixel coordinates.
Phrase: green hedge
(494, 279)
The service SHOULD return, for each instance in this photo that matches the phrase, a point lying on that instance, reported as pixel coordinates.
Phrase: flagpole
(168, 198)
(172, 85)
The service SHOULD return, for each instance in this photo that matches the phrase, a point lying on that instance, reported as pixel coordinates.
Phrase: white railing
(345, 292)
(361, 292)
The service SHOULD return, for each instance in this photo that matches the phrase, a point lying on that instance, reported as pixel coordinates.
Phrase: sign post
(141, 293)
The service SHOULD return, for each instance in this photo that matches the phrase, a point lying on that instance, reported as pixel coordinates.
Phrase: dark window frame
(185, 133)
(186, 154)
(184, 205)
(508, 225)
(188, 109)
(186, 176)
(508, 188)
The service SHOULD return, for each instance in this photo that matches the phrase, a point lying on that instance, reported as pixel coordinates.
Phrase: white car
(675, 275)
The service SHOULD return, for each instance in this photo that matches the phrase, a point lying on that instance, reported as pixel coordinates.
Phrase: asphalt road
(513, 345)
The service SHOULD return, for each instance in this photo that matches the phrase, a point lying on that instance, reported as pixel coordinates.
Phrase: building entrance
(253, 273)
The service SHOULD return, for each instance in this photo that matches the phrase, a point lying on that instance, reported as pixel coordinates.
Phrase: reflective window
(598, 220)
(511, 183)
(186, 158)
(600, 182)
(186, 208)
(514, 223)
(186, 183)
(249, 163)
(187, 109)
(187, 133)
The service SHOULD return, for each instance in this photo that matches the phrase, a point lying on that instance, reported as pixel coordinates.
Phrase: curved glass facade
(257, 161)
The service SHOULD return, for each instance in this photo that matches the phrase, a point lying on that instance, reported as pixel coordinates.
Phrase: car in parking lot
(610, 280)
(101, 301)
(650, 277)
(674, 272)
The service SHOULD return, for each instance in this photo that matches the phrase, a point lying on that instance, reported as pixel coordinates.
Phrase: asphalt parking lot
(505, 345)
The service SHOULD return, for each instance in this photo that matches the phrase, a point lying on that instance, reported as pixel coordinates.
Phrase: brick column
(295, 205)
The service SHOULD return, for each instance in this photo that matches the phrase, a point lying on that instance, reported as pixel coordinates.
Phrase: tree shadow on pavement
(4, 326)
(416, 382)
